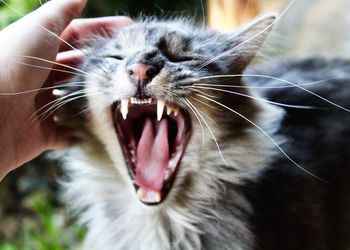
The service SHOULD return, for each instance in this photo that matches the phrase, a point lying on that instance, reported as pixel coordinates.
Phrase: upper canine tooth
(160, 109)
(124, 108)
(176, 112)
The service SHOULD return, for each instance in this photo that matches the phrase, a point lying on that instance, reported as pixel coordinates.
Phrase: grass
(41, 226)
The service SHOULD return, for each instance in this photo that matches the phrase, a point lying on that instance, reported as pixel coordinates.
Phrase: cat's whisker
(53, 103)
(55, 63)
(229, 51)
(257, 98)
(37, 114)
(50, 69)
(206, 104)
(200, 122)
(210, 130)
(265, 134)
(57, 106)
(63, 101)
(76, 84)
(199, 91)
(288, 82)
(203, 113)
(255, 87)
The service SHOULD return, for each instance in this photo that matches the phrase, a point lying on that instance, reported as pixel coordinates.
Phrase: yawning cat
(184, 149)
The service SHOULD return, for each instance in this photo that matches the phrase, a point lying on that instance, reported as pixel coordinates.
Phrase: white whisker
(44, 88)
(266, 134)
(53, 103)
(55, 63)
(194, 112)
(291, 83)
(51, 69)
(254, 87)
(60, 104)
(206, 104)
(258, 99)
(210, 130)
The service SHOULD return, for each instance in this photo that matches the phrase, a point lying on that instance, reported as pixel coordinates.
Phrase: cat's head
(150, 97)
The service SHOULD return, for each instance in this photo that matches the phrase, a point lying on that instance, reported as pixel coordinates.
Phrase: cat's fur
(257, 198)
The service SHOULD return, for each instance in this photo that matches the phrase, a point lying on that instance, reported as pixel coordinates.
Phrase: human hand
(29, 49)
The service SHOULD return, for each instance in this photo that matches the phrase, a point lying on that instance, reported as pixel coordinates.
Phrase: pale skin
(23, 136)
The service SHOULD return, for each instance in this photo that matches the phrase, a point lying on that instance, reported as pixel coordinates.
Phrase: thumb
(55, 15)
(36, 35)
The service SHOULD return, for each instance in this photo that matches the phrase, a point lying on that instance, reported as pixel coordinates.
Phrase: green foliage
(18, 8)
(47, 227)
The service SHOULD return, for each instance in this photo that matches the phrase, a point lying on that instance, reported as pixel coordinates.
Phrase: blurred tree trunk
(226, 15)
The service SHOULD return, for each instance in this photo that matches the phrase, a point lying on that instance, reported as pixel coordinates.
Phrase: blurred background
(31, 213)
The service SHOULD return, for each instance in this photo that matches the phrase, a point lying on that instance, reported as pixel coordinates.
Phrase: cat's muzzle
(153, 135)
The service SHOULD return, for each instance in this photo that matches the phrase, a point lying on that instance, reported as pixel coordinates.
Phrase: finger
(35, 35)
(81, 29)
(66, 67)
(55, 15)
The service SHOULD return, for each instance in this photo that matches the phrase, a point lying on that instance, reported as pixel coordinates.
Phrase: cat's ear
(248, 40)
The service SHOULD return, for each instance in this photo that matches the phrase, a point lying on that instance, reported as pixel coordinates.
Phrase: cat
(183, 147)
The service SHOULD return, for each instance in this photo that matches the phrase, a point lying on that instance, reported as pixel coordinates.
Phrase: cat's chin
(153, 136)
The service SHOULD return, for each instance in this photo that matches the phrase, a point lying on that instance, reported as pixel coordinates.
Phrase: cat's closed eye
(117, 57)
(180, 58)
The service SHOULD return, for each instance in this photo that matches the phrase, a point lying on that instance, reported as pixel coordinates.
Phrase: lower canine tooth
(140, 194)
(124, 108)
(157, 197)
(160, 109)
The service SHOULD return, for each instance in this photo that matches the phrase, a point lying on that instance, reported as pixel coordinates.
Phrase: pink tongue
(152, 156)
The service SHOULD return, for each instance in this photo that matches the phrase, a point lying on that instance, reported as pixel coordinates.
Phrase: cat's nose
(141, 72)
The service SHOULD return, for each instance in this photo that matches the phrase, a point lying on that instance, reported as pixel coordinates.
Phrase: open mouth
(153, 135)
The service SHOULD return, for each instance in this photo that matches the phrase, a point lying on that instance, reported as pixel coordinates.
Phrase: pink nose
(141, 72)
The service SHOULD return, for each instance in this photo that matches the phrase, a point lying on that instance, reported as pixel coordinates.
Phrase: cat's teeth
(124, 108)
(160, 109)
(134, 100)
(170, 109)
(140, 194)
(157, 197)
(148, 195)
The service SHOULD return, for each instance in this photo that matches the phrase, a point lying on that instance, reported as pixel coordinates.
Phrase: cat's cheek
(121, 86)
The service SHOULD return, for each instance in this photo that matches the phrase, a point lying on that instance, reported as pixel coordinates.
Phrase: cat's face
(141, 96)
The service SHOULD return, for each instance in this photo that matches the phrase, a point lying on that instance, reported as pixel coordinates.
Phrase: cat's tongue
(152, 156)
